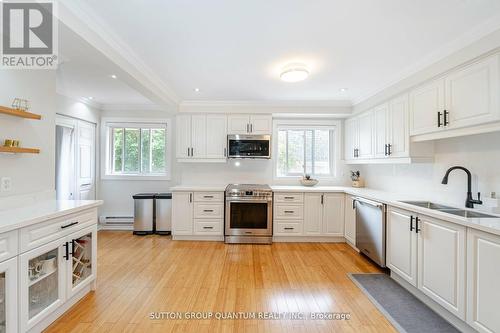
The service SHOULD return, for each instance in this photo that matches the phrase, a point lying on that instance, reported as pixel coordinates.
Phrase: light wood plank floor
(141, 275)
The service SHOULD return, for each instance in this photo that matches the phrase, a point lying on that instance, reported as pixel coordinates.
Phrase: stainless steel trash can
(163, 213)
(143, 213)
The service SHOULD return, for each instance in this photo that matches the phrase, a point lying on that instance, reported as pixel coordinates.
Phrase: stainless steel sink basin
(428, 204)
(467, 213)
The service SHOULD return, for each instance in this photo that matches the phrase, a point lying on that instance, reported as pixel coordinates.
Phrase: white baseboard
(308, 239)
(115, 227)
(198, 238)
(461, 325)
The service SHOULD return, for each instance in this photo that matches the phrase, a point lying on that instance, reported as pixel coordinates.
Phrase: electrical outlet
(5, 184)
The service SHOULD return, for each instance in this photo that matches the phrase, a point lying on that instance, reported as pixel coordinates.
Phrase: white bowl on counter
(309, 182)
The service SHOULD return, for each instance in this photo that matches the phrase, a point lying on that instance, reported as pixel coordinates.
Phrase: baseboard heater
(117, 222)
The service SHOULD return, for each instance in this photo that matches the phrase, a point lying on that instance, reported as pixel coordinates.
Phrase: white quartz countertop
(491, 225)
(200, 188)
(11, 219)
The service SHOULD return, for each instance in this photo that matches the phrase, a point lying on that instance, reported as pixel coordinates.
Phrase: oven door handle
(230, 201)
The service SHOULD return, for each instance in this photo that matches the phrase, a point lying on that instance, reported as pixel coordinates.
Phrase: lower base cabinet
(8, 296)
(52, 273)
(430, 254)
(350, 220)
(483, 274)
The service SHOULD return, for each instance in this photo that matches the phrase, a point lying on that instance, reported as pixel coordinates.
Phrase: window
(306, 150)
(136, 149)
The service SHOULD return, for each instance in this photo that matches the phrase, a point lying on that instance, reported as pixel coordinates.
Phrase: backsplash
(479, 153)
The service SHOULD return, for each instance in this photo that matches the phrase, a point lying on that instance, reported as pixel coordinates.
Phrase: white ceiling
(85, 72)
(234, 50)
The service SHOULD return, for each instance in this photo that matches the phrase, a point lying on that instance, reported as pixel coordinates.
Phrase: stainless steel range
(249, 214)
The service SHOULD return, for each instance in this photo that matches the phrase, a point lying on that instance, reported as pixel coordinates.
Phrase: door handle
(69, 225)
(208, 227)
(389, 146)
(445, 118)
(288, 228)
(248, 129)
(289, 198)
(251, 128)
(411, 223)
(208, 196)
(353, 203)
(385, 149)
(208, 210)
(66, 251)
(439, 119)
(225, 152)
(289, 211)
(190, 197)
(417, 229)
(322, 199)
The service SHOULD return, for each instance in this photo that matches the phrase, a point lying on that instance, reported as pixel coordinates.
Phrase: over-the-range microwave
(249, 146)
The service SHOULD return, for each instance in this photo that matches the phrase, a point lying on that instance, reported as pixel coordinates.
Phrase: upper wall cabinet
(463, 98)
(250, 124)
(201, 138)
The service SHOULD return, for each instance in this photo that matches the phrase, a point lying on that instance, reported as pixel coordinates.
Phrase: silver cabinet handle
(208, 227)
(225, 152)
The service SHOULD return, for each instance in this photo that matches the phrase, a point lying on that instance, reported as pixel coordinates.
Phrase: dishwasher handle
(369, 202)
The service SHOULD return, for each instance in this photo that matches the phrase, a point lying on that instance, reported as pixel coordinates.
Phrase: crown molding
(78, 17)
(133, 107)
(271, 103)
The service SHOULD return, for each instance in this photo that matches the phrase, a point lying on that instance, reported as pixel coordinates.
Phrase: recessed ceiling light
(196, 89)
(343, 89)
(294, 73)
(113, 76)
(90, 97)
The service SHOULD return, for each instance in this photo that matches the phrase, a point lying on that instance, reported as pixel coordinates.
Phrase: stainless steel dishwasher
(370, 229)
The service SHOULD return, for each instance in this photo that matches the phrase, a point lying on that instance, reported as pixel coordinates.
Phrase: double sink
(448, 209)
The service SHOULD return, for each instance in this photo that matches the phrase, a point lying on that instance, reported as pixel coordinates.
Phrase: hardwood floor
(141, 275)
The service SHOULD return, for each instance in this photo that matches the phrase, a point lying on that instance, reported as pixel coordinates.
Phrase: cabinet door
(472, 94)
(42, 282)
(350, 220)
(380, 122)
(401, 245)
(366, 135)
(313, 213)
(351, 137)
(399, 136)
(182, 213)
(333, 214)
(183, 134)
(425, 103)
(238, 124)
(261, 124)
(198, 136)
(216, 136)
(483, 269)
(441, 263)
(8, 296)
(83, 260)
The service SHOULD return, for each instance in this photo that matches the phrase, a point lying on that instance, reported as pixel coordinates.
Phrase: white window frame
(107, 124)
(335, 148)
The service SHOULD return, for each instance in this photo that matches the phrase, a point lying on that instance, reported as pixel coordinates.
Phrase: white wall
(29, 172)
(117, 194)
(478, 153)
(76, 109)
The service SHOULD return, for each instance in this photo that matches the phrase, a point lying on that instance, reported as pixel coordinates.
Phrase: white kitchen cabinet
(381, 130)
(398, 139)
(42, 282)
(425, 103)
(483, 271)
(351, 138)
(82, 262)
(401, 254)
(182, 213)
(441, 263)
(201, 138)
(365, 146)
(313, 213)
(250, 124)
(472, 94)
(8, 296)
(333, 214)
(216, 136)
(350, 220)
(464, 97)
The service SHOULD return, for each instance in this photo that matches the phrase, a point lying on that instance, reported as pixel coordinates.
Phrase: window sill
(135, 177)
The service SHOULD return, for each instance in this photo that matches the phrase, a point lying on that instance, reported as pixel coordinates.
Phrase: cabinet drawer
(289, 212)
(208, 197)
(8, 245)
(287, 228)
(289, 197)
(42, 233)
(208, 227)
(208, 211)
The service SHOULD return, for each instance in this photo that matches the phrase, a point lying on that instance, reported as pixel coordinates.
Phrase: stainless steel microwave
(249, 146)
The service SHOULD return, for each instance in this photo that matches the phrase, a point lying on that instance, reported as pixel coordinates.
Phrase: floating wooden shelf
(19, 113)
(19, 150)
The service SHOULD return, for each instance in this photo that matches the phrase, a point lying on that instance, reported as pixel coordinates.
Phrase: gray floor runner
(406, 312)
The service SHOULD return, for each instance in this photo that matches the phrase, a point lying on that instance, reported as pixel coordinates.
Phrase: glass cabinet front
(82, 258)
(43, 282)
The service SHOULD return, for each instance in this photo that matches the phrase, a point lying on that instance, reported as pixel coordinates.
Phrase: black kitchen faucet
(469, 202)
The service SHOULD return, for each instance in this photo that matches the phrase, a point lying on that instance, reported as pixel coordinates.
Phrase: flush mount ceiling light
(294, 73)
(196, 89)
(113, 76)
(343, 89)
